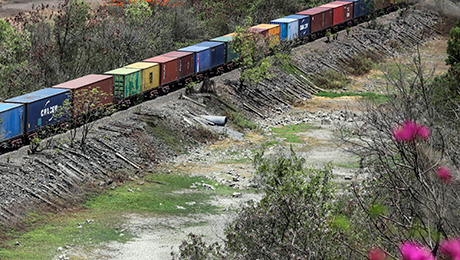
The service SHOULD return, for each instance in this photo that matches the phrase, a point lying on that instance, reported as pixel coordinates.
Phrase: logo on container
(48, 110)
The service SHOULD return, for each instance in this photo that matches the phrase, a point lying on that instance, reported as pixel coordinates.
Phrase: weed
(366, 95)
(290, 132)
(240, 120)
(331, 79)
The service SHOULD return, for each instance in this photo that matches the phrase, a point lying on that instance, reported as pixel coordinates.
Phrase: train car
(81, 87)
(342, 12)
(304, 24)
(230, 55)
(42, 108)
(217, 54)
(169, 71)
(320, 20)
(150, 75)
(185, 63)
(267, 29)
(289, 28)
(201, 59)
(361, 8)
(127, 84)
(11, 124)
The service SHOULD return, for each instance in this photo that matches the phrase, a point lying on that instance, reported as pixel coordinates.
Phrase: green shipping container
(230, 55)
(127, 82)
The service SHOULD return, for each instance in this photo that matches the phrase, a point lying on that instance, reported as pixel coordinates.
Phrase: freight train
(22, 117)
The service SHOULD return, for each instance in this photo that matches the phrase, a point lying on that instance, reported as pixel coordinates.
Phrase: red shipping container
(342, 11)
(83, 86)
(320, 18)
(169, 68)
(185, 62)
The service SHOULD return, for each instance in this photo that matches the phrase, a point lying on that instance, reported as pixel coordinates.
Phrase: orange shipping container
(273, 29)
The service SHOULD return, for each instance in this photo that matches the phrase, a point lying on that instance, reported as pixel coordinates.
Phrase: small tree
(453, 46)
(254, 49)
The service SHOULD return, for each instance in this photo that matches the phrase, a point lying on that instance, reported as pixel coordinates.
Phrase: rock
(208, 187)
(180, 207)
(237, 194)
(326, 121)
(59, 249)
(17, 243)
(190, 203)
(130, 190)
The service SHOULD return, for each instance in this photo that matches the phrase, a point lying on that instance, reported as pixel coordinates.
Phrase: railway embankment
(129, 143)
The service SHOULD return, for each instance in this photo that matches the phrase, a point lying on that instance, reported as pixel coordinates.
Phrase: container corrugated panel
(41, 106)
(12, 121)
(230, 55)
(169, 68)
(217, 52)
(81, 87)
(304, 24)
(126, 82)
(337, 12)
(185, 62)
(289, 28)
(320, 18)
(150, 74)
(201, 57)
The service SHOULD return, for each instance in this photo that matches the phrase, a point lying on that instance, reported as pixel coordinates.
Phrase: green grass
(47, 232)
(270, 143)
(366, 95)
(241, 160)
(289, 133)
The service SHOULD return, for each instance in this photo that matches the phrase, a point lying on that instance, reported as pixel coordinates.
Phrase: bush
(331, 79)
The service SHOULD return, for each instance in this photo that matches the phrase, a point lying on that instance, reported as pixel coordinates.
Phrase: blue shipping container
(230, 55)
(201, 57)
(304, 24)
(289, 28)
(360, 7)
(217, 52)
(11, 124)
(41, 106)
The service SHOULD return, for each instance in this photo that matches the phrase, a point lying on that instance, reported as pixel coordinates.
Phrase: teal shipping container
(289, 28)
(127, 82)
(230, 55)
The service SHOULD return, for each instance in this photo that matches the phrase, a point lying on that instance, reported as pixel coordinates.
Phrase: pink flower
(414, 251)
(410, 130)
(376, 254)
(444, 174)
(451, 248)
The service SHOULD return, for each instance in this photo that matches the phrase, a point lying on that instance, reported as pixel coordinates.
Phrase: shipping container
(43, 108)
(127, 83)
(304, 24)
(255, 29)
(230, 34)
(289, 28)
(230, 55)
(150, 74)
(360, 8)
(320, 18)
(12, 121)
(273, 29)
(82, 87)
(201, 57)
(342, 11)
(169, 68)
(217, 52)
(185, 62)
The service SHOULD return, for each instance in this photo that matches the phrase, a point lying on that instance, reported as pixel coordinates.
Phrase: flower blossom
(451, 248)
(413, 251)
(410, 130)
(376, 254)
(444, 174)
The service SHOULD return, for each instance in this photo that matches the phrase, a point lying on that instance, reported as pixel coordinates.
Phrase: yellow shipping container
(230, 35)
(273, 29)
(150, 74)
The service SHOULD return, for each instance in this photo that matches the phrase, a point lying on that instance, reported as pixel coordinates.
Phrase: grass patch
(161, 130)
(106, 211)
(270, 143)
(289, 133)
(366, 95)
(240, 120)
(241, 160)
(331, 79)
(348, 165)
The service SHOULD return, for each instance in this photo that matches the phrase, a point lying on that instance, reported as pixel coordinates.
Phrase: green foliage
(290, 132)
(359, 65)
(240, 120)
(137, 12)
(331, 79)
(453, 45)
(14, 61)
